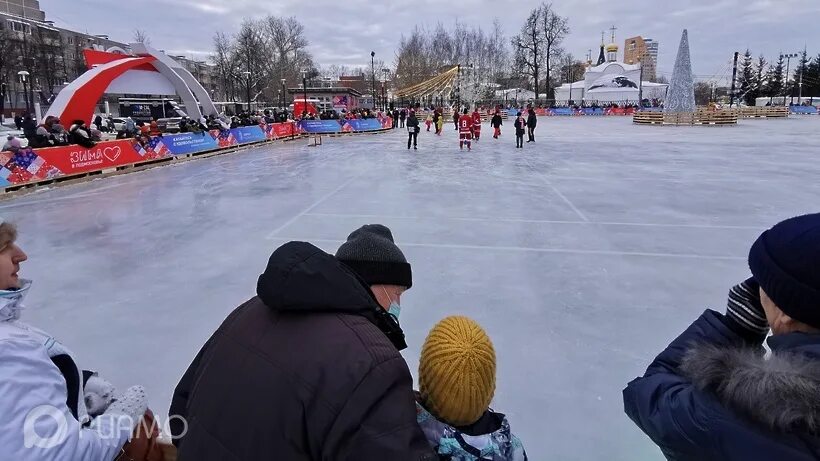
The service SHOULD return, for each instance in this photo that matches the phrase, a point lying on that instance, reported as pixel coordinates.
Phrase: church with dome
(610, 81)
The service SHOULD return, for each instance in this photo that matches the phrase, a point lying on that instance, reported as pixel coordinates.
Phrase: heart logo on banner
(112, 153)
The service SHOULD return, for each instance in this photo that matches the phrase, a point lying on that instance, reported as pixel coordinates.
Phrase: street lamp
(247, 75)
(373, 77)
(24, 78)
(385, 73)
(788, 57)
(304, 92)
(284, 93)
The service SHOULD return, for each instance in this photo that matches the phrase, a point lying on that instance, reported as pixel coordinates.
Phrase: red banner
(281, 130)
(108, 154)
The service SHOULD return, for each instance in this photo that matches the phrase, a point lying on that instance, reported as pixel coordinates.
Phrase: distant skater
(532, 120)
(520, 129)
(413, 130)
(496, 123)
(476, 124)
(465, 131)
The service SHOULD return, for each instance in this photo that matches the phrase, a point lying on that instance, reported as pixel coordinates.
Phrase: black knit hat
(372, 254)
(785, 261)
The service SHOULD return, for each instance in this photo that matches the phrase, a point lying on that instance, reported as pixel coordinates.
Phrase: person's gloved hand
(98, 394)
(746, 312)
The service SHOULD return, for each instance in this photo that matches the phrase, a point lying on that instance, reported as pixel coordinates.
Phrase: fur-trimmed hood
(780, 392)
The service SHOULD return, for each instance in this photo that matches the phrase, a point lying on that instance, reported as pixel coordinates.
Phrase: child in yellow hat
(456, 386)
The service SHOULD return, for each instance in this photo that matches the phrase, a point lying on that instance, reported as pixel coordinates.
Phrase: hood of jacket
(11, 301)
(779, 392)
(302, 278)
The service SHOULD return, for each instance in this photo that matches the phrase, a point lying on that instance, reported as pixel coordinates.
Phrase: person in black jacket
(496, 123)
(520, 127)
(413, 129)
(80, 134)
(532, 120)
(402, 117)
(309, 368)
(713, 394)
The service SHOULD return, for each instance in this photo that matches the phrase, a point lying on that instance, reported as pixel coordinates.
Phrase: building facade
(29, 9)
(53, 56)
(643, 50)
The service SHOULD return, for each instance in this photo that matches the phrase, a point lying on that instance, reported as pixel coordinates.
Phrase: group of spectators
(51, 133)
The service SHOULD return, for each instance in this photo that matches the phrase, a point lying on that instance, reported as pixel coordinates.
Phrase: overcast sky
(344, 32)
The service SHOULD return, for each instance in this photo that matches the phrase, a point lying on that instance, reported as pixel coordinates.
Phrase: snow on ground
(583, 254)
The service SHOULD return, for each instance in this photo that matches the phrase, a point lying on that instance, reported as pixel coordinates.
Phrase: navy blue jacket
(711, 395)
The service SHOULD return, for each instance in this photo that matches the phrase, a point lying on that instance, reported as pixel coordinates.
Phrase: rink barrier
(576, 111)
(763, 112)
(31, 168)
(803, 110)
(700, 117)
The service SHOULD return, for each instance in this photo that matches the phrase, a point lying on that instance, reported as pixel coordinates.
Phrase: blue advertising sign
(246, 134)
(368, 124)
(320, 126)
(593, 111)
(189, 143)
(805, 110)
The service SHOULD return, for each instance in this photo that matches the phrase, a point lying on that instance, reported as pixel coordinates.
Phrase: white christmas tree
(680, 97)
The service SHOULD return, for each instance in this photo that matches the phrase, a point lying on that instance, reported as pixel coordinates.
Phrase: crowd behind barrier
(33, 164)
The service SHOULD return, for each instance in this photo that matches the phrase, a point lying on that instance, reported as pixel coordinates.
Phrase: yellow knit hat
(457, 371)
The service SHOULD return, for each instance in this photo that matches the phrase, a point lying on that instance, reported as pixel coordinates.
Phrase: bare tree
(224, 66)
(141, 36)
(555, 29)
(529, 48)
(6, 74)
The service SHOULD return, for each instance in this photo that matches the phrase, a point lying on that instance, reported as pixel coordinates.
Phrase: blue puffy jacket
(711, 395)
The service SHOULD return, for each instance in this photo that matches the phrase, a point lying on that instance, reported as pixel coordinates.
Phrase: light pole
(247, 75)
(385, 73)
(24, 78)
(788, 57)
(284, 93)
(373, 77)
(304, 91)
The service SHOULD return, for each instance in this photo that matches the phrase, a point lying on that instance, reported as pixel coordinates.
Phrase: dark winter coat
(520, 126)
(300, 372)
(532, 120)
(712, 396)
(413, 122)
(497, 121)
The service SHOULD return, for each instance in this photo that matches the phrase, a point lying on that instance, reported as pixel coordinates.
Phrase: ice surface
(583, 255)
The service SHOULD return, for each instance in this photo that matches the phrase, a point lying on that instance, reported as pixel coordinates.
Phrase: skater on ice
(496, 123)
(413, 129)
(309, 368)
(532, 121)
(53, 410)
(428, 121)
(520, 128)
(476, 124)
(714, 394)
(465, 130)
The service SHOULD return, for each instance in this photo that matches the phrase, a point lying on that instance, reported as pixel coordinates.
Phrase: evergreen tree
(811, 78)
(799, 73)
(760, 77)
(748, 92)
(774, 78)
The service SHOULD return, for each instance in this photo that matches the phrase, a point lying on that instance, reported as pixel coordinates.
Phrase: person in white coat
(51, 409)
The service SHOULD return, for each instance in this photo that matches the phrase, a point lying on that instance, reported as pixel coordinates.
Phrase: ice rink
(583, 255)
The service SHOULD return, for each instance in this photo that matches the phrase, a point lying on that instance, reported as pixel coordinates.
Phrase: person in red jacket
(476, 124)
(465, 130)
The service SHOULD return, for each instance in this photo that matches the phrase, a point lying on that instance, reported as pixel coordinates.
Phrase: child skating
(520, 129)
(476, 125)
